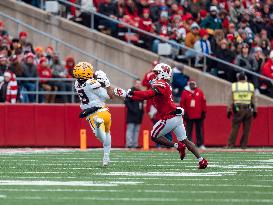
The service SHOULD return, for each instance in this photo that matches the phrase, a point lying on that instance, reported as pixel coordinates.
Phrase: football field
(49, 177)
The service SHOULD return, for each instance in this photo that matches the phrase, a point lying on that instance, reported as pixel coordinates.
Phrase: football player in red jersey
(170, 115)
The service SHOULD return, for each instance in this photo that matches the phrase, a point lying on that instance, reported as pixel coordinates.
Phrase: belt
(90, 111)
(243, 106)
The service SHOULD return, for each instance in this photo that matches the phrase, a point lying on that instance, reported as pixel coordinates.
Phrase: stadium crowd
(237, 31)
(19, 58)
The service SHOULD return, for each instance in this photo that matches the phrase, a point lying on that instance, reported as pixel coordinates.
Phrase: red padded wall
(59, 125)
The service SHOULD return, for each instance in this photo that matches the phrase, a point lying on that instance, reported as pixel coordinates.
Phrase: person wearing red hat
(3, 32)
(202, 46)
(146, 24)
(46, 72)
(23, 37)
(193, 102)
(69, 66)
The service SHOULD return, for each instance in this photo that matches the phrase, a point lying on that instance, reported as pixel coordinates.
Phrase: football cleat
(98, 121)
(182, 150)
(203, 164)
(106, 160)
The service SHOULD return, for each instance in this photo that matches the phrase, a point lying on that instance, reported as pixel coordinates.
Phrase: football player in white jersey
(93, 90)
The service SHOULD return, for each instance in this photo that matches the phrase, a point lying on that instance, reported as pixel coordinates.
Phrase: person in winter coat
(45, 72)
(267, 70)
(193, 102)
(134, 117)
(179, 82)
(8, 88)
(212, 21)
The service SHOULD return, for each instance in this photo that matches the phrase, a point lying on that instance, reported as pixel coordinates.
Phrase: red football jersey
(163, 102)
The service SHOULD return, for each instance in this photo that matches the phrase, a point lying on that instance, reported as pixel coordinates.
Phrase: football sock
(100, 134)
(107, 143)
(175, 145)
(200, 159)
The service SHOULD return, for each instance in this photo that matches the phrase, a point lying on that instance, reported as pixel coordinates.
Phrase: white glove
(152, 112)
(102, 78)
(120, 92)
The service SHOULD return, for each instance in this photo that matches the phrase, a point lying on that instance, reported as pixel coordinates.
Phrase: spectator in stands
(267, 70)
(3, 32)
(259, 57)
(58, 71)
(163, 29)
(193, 101)
(146, 24)
(212, 21)
(45, 72)
(49, 53)
(236, 11)
(179, 82)
(15, 47)
(86, 7)
(135, 110)
(39, 52)
(155, 8)
(202, 46)
(23, 38)
(69, 66)
(16, 66)
(29, 71)
(108, 8)
(191, 38)
(222, 70)
(258, 23)
(8, 88)
(245, 60)
(3, 64)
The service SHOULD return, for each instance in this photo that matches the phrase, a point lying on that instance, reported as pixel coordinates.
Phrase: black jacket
(134, 110)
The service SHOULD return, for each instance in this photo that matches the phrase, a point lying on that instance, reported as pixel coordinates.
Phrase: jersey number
(83, 97)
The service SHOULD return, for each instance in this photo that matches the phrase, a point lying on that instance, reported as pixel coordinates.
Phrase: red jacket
(44, 72)
(146, 25)
(193, 102)
(267, 68)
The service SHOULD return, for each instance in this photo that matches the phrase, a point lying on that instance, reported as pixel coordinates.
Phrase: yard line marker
(164, 174)
(66, 183)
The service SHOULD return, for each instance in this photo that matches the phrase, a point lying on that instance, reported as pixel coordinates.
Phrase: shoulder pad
(159, 86)
(94, 84)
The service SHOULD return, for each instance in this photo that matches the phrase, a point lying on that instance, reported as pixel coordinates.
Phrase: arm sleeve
(182, 100)
(143, 95)
(204, 103)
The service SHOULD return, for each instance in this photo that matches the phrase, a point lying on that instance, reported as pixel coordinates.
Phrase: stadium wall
(135, 60)
(38, 125)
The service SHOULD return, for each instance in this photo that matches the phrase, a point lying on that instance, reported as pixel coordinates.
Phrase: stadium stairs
(135, 60)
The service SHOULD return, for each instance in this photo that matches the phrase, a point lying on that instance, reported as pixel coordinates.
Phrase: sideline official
(243, 106)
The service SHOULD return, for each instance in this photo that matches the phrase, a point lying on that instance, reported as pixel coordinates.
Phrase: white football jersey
(91, 94)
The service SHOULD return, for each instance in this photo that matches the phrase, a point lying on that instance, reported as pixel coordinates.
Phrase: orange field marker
(83, 143)
(146, 145)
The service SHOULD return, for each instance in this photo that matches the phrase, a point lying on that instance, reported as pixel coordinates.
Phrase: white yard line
(214, 185)
(157, 199)
(3, 196)
(166, 174)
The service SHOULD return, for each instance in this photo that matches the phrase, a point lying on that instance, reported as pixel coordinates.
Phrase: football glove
(120, 92)
(102, 78)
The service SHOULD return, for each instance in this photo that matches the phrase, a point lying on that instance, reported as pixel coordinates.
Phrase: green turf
(235, 178)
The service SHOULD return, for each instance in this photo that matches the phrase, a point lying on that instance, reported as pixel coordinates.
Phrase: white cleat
(98, 121)
(106, 160)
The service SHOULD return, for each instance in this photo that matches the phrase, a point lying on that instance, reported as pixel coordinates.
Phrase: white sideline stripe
(65, 183)
(146, 199)
(169, 174)
(242, 166)
(215, 185)
(139, 191)
(3, 196)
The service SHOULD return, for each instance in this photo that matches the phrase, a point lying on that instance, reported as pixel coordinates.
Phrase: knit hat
(230, 37)
(213, 8)
(203, 32)
(43, 59)
(194, 25)
(203, 13)
(22, 33)
(257, 49)
(29, 55)
(146, 11)
(7, 74)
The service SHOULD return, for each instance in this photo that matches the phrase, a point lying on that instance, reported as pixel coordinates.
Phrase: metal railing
(38, 91)
(58, 41)
(177, 45)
